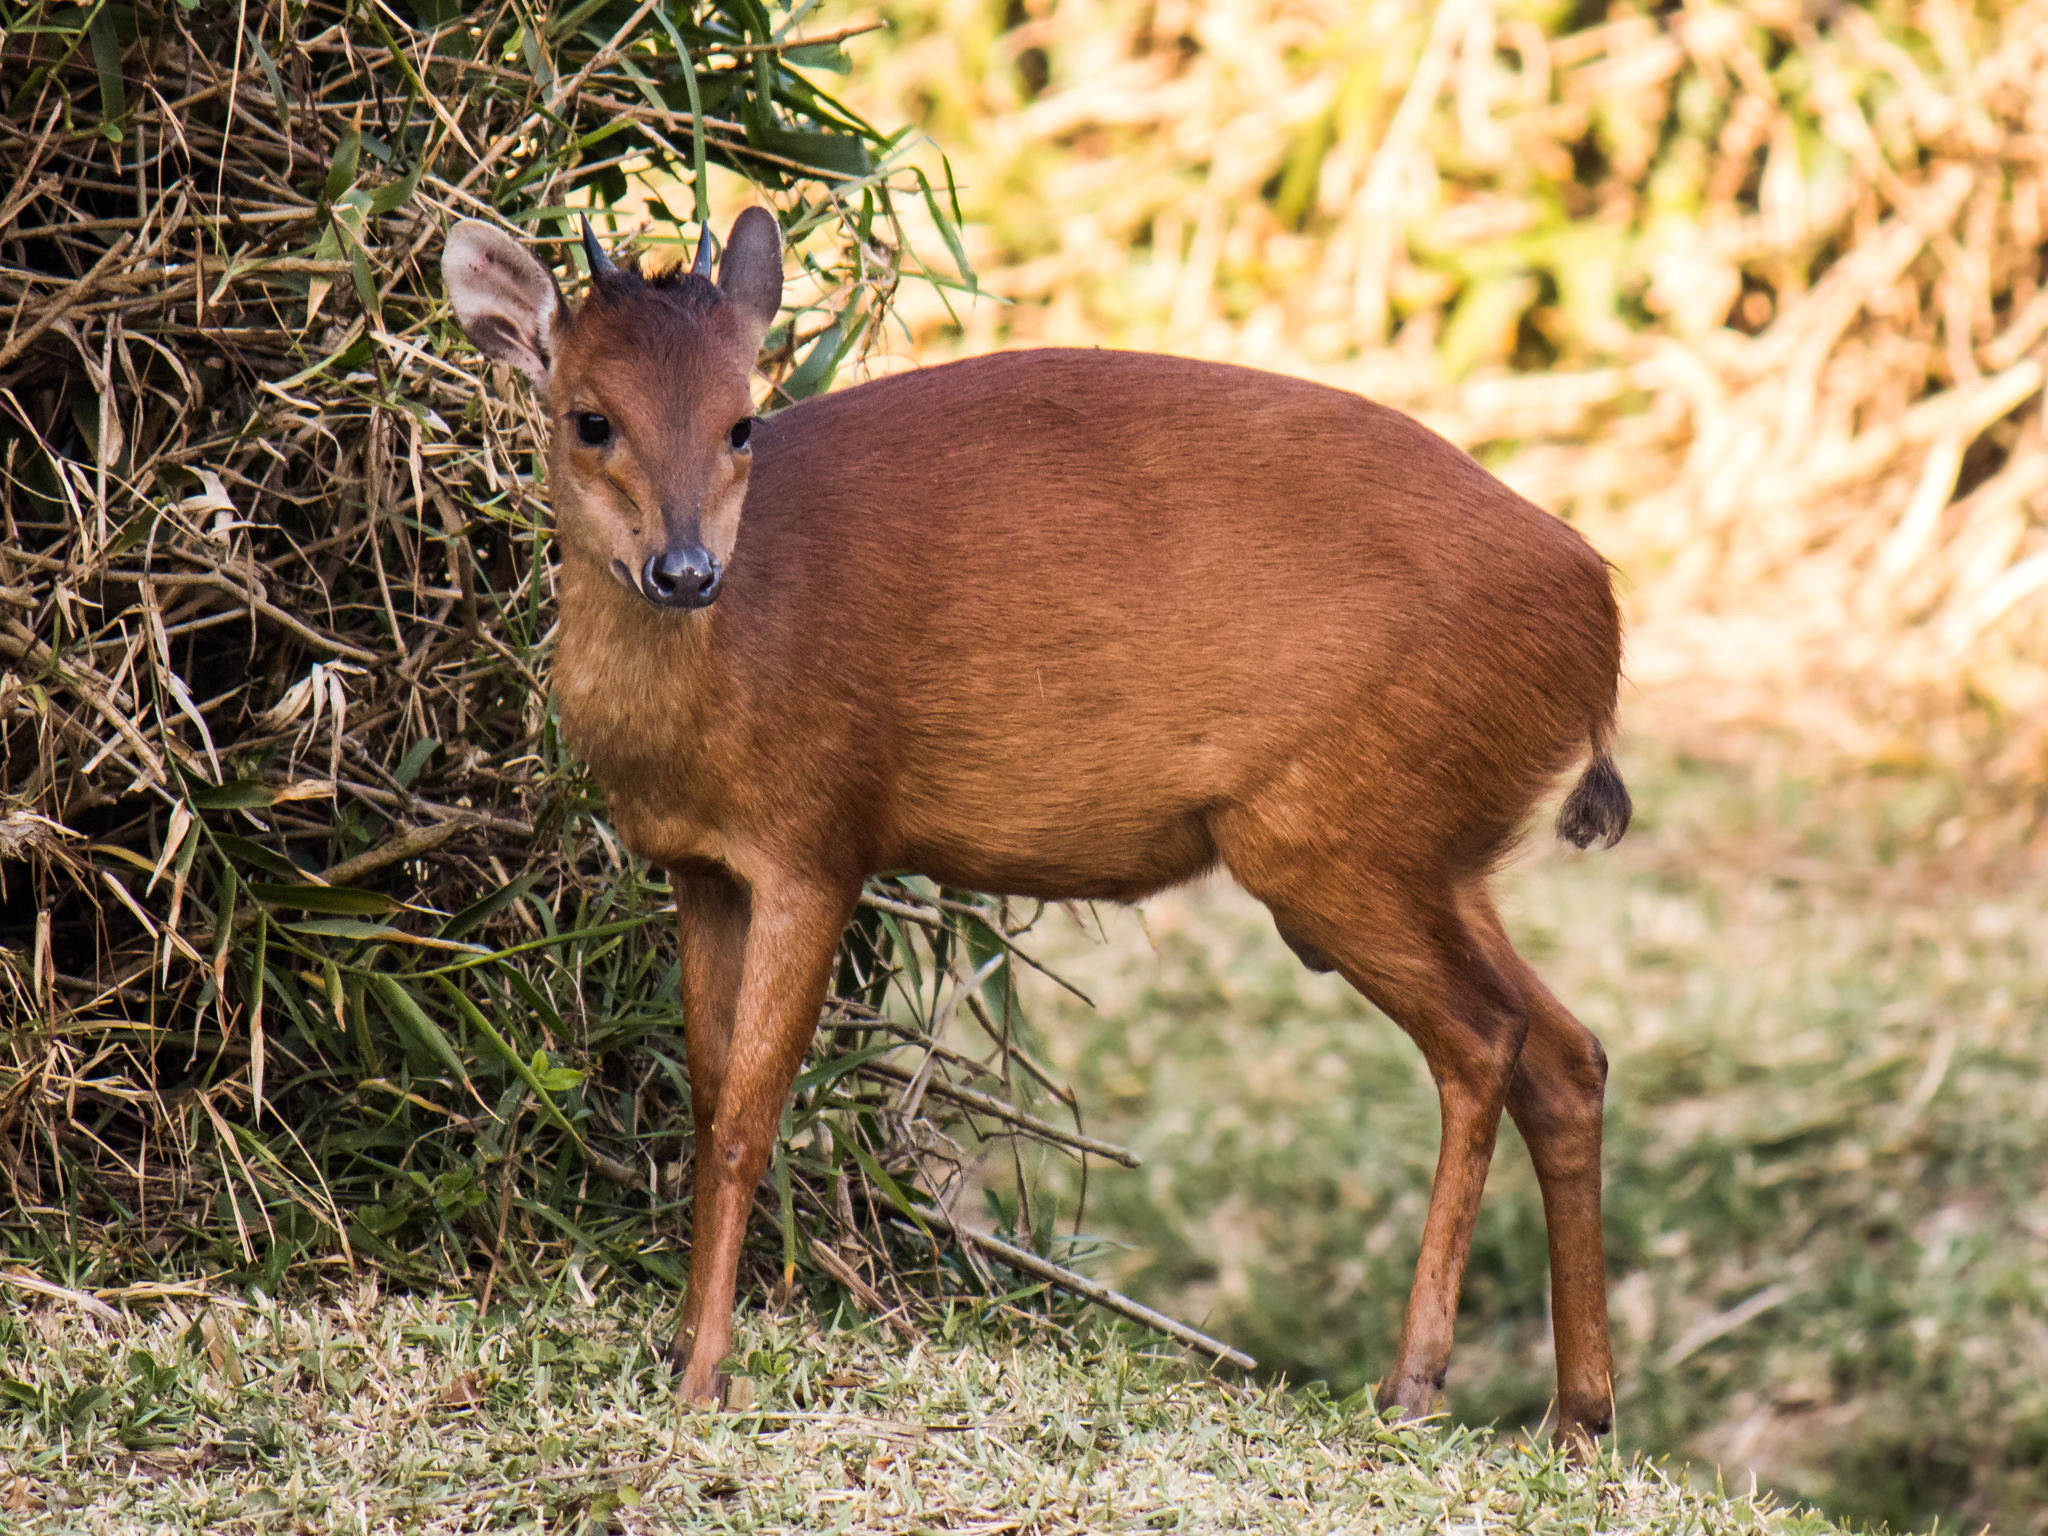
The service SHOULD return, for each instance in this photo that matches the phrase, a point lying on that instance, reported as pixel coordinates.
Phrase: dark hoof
(1406, 1401)
(1581, 1445)
(1580, 1439)
(712, 1397)
(709, 1394)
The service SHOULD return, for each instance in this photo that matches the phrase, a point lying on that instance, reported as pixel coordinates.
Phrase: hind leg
(1407, 946)
(1555, 1097)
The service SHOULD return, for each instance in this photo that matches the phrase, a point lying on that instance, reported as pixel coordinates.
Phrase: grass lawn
(1827, 1223)
(412, 1414)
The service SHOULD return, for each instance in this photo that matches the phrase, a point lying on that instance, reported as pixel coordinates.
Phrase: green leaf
(904, 952)
(830, 1072)
(693, 87)
(278, 93)
(785, 1195)
(949, 229)
(366, 283)
(341, 900)
(394, 195)
(243, 851)
(999, 987)
(477, 913)
(814, 373)
(106, 57)
(362, 932)
(85, 1403)
(341, 174)
(134, 531)
(534, 998)
(354, 355)
(554, 1079)
(826, 152)
(224, 917)
(235, 795)
(474, 1017)
(889, 1187)
(408, 1017)
(346, 928)
(826, 56)
(567, 23)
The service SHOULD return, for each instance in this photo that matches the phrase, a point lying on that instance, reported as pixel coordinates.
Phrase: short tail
(1597, 809)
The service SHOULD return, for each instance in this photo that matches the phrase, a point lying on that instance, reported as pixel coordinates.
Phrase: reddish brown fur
(1009, 697)
(1086, 624)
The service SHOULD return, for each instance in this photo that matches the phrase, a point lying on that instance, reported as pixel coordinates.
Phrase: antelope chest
(630, 712)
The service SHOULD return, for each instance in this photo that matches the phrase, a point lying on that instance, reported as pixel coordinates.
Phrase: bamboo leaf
(949, 228)
(256, 856)
(543, 1095)
(829, 1072)
(341, 173)
(411, 1019)
(905, 1206)
(341, 900)
(235, 795)
(106, 53)
(477, 913)
(278, 93)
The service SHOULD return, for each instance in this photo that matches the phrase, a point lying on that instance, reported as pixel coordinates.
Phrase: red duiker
(1070, 625)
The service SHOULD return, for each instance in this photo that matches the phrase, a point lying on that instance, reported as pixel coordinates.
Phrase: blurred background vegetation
(1752, 293)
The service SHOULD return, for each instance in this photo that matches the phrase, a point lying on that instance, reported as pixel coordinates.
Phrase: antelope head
(647, 392)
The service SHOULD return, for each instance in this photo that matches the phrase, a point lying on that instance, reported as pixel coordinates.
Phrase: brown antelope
(1070, 625)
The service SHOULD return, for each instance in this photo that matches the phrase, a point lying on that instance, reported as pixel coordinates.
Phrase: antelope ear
(507, 303)
(751, 274)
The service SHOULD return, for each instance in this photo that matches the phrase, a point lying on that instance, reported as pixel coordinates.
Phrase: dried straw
(315, 946)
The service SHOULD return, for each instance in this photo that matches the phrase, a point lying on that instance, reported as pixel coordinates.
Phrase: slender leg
(791, 936)
(711, 921)
(1410, 950)
(1469, 1023)
(1555, 1097)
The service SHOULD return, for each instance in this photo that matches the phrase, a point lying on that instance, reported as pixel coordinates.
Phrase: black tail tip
(1598, 808)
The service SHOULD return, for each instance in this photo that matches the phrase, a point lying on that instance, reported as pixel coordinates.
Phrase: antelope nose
(686, 577)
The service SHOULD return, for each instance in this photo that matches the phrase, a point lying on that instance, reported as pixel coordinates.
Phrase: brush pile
(1753, 292)
(315, 946)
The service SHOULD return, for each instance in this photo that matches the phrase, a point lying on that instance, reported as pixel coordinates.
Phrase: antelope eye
(741, 430)
(593, 429)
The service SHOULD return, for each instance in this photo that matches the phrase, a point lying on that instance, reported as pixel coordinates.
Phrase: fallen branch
(1089, 1290)
(997, 1109)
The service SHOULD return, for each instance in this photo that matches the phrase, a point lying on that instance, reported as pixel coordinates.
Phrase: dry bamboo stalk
(989, 1104)
(1090, 1290)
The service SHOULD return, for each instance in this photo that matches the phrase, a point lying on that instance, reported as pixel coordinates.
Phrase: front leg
(792, 934)
(711, 925)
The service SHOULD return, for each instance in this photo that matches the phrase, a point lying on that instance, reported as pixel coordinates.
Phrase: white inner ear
(505, 300)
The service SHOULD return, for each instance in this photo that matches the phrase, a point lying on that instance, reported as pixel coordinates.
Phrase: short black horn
(703, 266)
(601, 265)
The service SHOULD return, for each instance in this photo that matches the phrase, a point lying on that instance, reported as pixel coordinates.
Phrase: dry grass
(316, 949)
(424, 1416)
